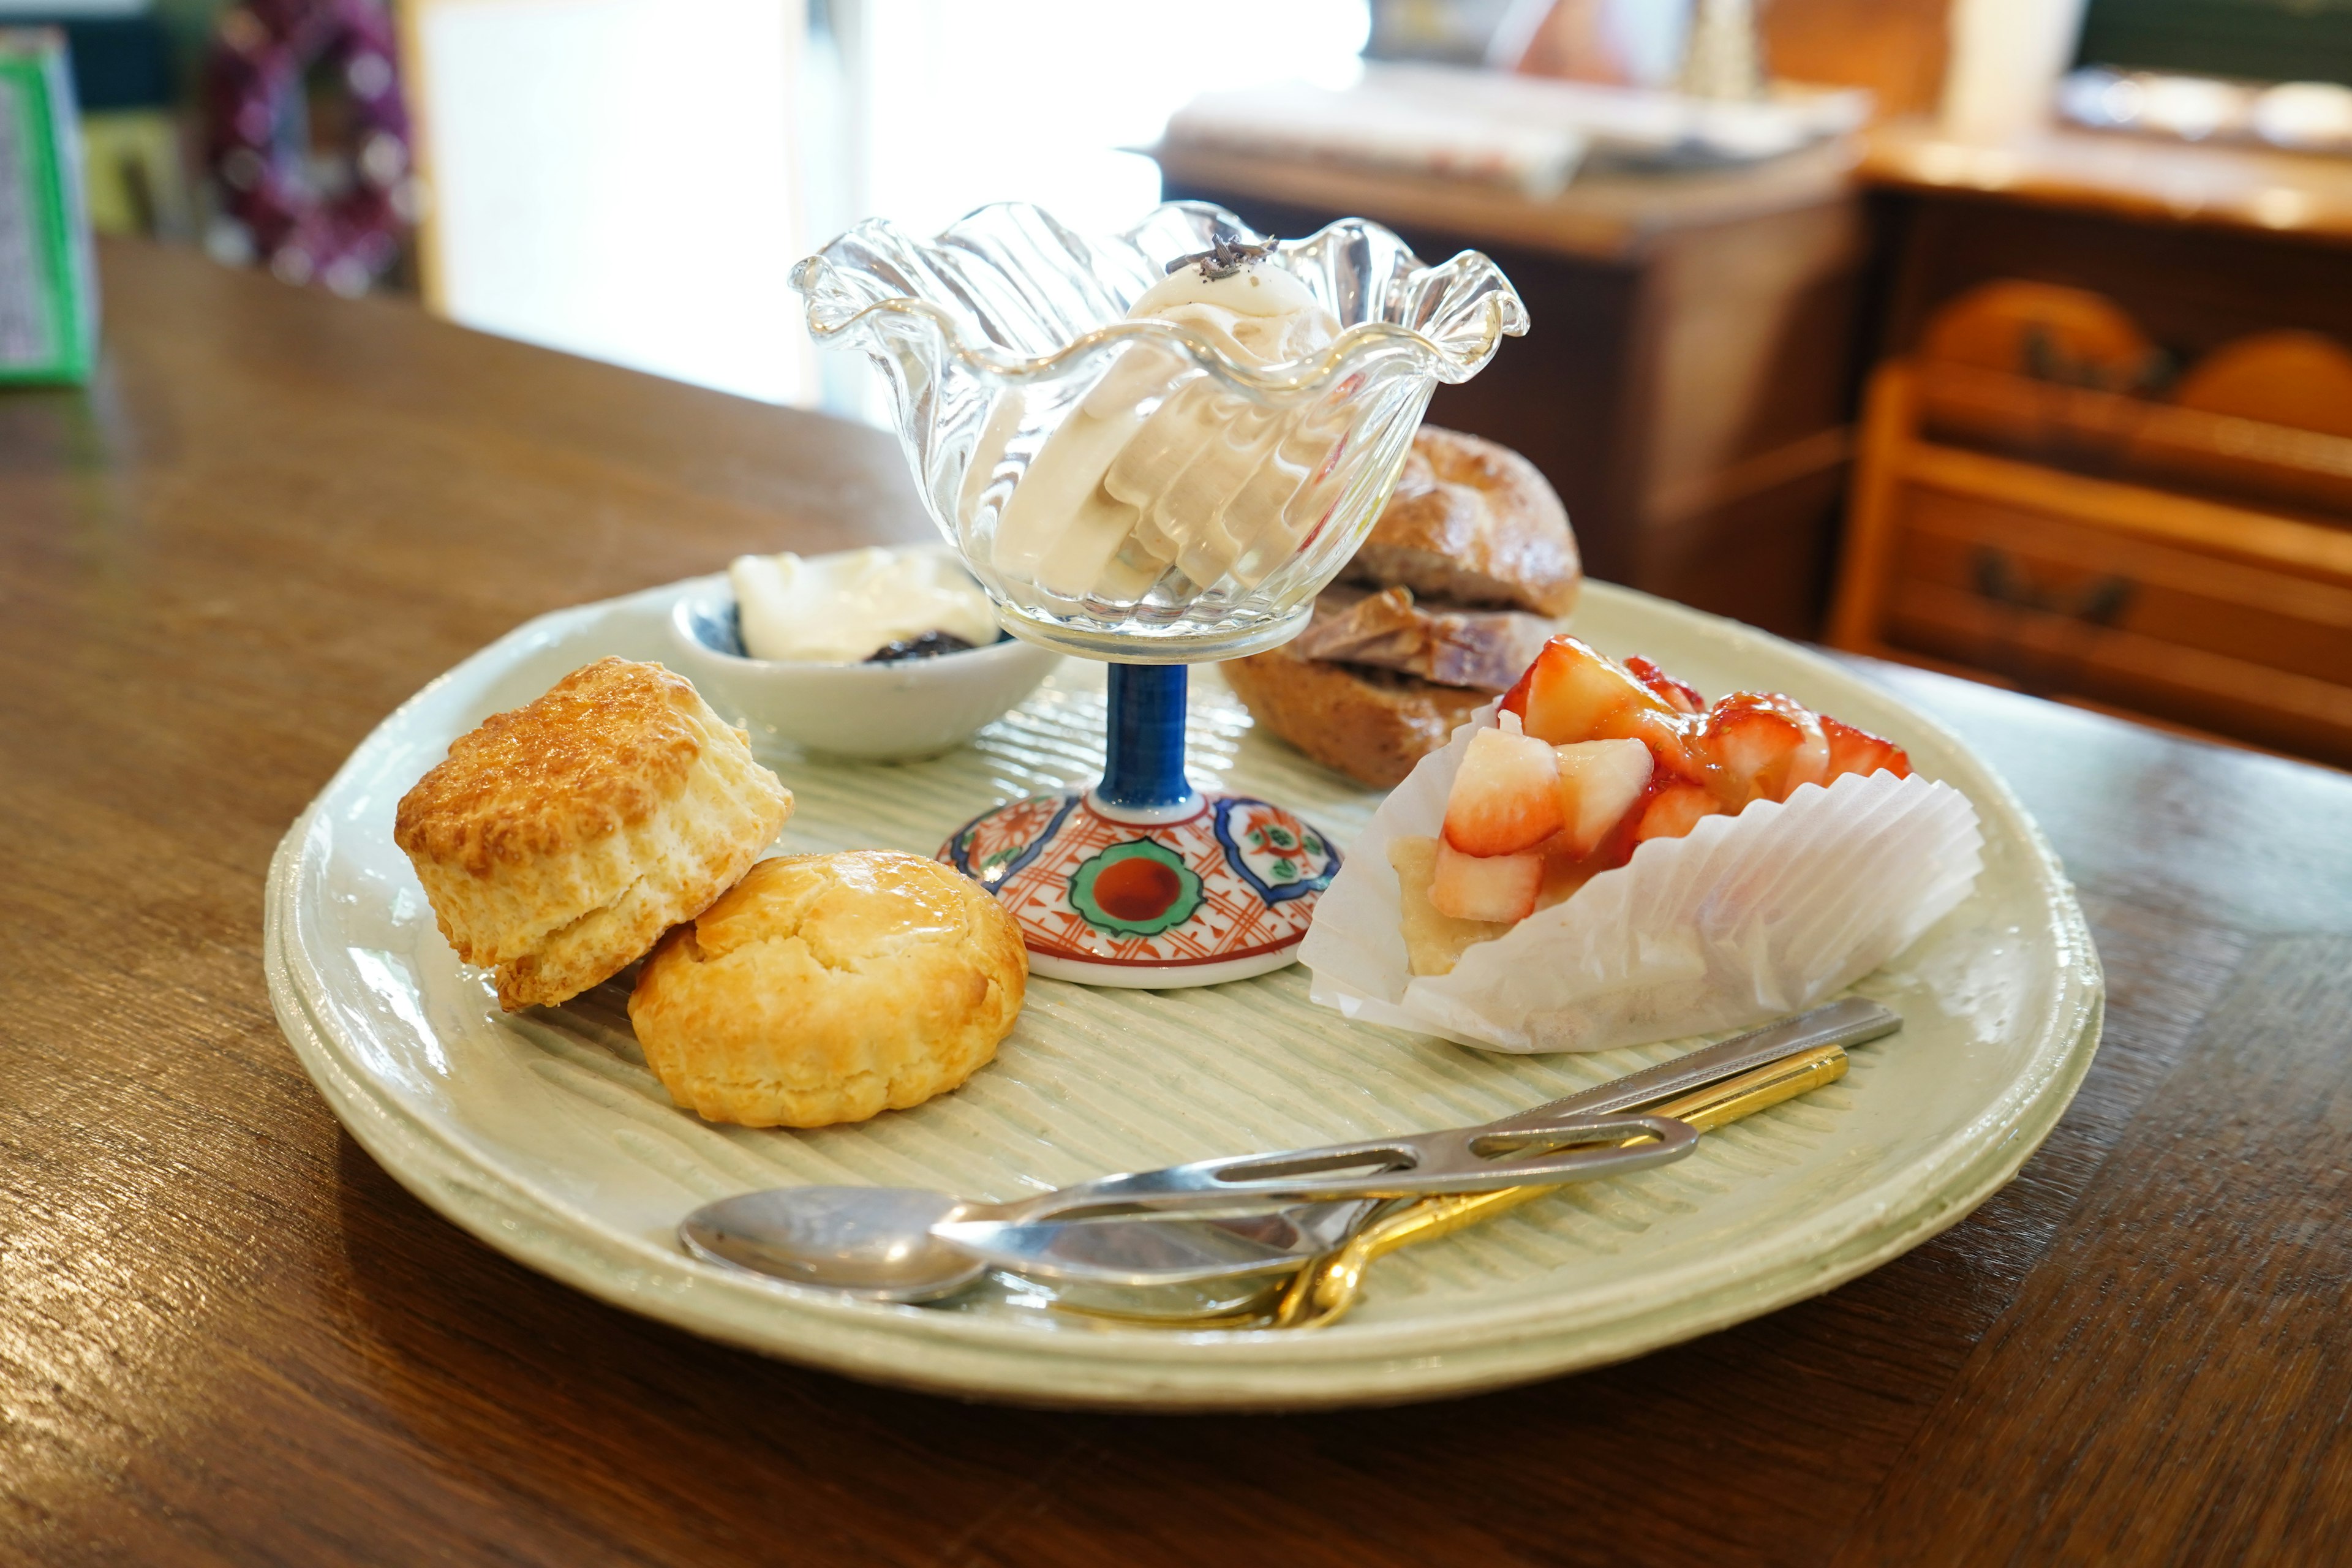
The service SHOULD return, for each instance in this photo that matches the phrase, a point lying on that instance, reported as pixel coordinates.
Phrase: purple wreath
(343, 229)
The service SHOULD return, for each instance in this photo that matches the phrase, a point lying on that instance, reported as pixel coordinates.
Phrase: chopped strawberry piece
(1571, 693)
(1854, 750)
(1675, 809)
(1505, 798)
(1485, 887)
(1600, 781)
(1679, 695)
(1762, 746)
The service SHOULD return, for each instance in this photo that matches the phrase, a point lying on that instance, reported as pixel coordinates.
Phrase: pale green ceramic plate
(545, 1136)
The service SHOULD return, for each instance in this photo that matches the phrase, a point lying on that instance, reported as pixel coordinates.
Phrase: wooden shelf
(2135, 177)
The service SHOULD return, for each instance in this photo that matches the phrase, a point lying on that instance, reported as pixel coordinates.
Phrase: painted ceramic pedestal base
(1215, 887)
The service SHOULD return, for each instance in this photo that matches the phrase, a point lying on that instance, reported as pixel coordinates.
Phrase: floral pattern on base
(1236, 880)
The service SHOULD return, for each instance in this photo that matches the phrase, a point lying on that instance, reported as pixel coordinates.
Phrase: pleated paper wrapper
(1745, 919)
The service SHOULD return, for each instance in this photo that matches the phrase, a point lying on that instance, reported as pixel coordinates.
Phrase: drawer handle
(2003, 582)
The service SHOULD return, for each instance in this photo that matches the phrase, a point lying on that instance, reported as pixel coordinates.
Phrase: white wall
(617, 178)
(972, 101)
(633, 179)
(931, 108)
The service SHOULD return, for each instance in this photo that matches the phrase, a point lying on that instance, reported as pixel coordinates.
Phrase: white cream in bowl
(839, 705)
(844, 608)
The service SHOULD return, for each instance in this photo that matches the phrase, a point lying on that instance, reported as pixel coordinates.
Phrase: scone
(558, 840)
(1448, 599)
(824, 988)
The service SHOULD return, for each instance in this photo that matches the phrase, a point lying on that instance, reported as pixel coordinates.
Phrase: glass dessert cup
(1153, 490)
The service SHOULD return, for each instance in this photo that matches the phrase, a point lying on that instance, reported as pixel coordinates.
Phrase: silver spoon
(881, 1242)
(887, 1243)
(1145, 1253)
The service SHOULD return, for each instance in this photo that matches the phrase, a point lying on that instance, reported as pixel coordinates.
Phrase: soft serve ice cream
(1159, 467)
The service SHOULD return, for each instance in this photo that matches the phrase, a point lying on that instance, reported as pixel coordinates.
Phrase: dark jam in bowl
(930, 645)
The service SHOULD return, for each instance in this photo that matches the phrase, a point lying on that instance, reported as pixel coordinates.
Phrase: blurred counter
(2134, 178)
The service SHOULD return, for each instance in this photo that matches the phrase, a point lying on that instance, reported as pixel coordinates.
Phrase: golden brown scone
(1371, 724)
(1472, 524)
(824, 988)
(560, 839)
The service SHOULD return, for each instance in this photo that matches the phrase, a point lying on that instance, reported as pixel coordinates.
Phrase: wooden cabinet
(1686, 381)
(2144, 547)
(2223, 617)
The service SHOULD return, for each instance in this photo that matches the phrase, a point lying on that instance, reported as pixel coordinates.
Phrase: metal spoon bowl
(874, 1242)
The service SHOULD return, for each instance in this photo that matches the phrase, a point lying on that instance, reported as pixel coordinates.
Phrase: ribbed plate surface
(545, 1136)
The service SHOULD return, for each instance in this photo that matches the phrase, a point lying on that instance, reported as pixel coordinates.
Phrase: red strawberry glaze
(1679, 695)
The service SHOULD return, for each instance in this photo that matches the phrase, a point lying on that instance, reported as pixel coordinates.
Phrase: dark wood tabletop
(227, 1337)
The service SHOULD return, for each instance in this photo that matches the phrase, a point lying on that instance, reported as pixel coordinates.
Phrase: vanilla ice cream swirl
(1159, 466)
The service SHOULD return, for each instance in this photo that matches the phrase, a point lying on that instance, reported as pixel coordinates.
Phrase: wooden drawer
(2216, 615)
(2019, 563)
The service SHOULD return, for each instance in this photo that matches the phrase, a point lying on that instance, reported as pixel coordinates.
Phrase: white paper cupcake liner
(1747, 918)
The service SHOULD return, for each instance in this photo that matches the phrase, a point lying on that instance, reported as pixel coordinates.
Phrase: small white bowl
(870, 712)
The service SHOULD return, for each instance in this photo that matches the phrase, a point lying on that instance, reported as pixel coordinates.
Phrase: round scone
(560, 839)
(824, 988)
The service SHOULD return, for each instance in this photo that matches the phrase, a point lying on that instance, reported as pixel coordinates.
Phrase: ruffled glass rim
(839, 311)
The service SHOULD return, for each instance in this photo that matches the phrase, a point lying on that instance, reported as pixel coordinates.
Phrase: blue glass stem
(1143, 765)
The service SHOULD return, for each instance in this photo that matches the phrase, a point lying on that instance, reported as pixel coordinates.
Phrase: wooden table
(226, 1336)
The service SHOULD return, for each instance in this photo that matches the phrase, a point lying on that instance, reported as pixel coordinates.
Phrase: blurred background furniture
(2106, 457)
(1687, 383)
(1717, 234)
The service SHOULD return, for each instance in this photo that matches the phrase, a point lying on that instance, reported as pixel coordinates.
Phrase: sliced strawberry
(1505, 799)
(1762, 745)
(1673, 809)
(1571, 694)
(1854, 750)
(1600, 781)
(1679, 695)
(1485, 887)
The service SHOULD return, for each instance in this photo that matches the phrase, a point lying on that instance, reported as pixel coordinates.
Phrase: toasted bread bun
(1480, 545)
(824, 988)
(1486, 649)
(1472, 524)
(1371, 724)
(558, 840)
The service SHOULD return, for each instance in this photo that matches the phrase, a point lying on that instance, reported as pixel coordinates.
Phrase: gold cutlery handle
(1323, 1291)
